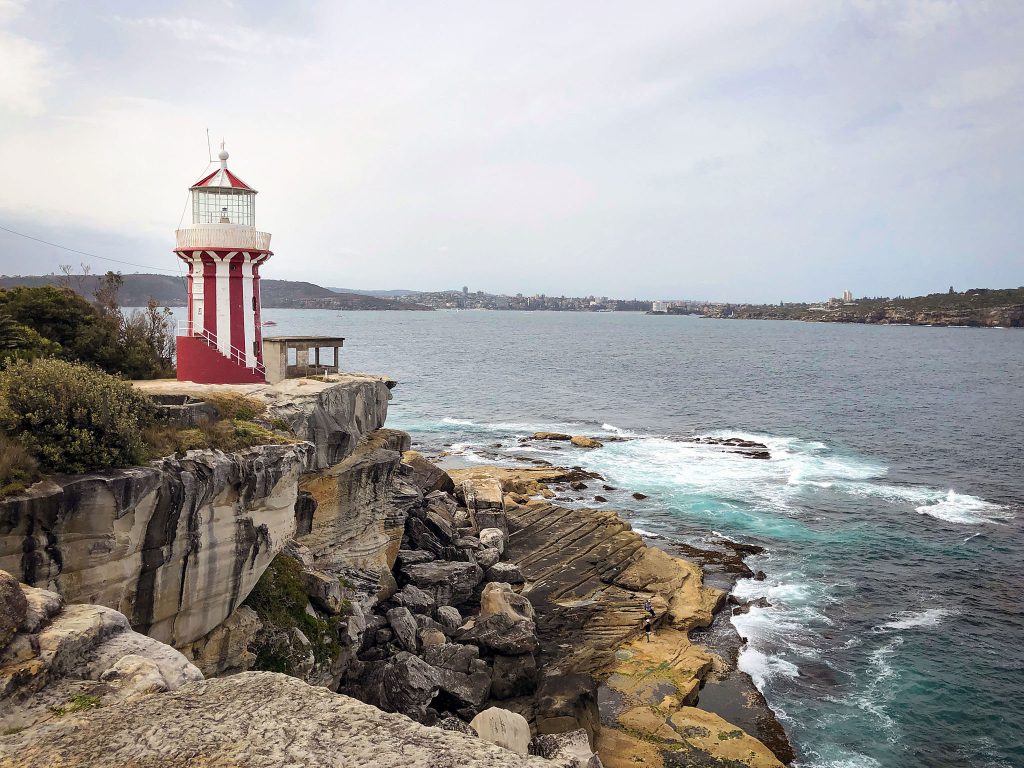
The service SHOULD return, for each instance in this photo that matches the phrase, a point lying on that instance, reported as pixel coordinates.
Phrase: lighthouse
(220, 341)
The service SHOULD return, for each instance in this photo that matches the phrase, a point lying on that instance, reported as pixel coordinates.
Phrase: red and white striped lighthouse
(221, 342)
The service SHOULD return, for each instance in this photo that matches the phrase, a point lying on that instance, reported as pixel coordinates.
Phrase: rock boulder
(506, 729)
(449, 583)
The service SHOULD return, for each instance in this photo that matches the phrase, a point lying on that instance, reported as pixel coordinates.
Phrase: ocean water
(891, 509)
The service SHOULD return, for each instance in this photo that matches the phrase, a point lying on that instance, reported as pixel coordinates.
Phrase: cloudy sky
(758, 150)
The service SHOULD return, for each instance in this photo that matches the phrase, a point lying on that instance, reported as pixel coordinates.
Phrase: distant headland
(170, 291)
(977, 307)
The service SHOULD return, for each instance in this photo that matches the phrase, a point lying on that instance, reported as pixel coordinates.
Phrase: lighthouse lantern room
(220, 342)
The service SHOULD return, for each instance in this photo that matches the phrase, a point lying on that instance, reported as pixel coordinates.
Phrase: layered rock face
(252, 720)
(359, 515)
(175, 546)
(333, 415)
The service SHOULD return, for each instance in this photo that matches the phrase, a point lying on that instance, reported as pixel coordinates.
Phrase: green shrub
(56, 322)
(72, 417)
(233, 405)
(279, 599)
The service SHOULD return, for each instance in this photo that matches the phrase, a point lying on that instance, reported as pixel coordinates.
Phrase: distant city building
(847, 297)
(659, 307)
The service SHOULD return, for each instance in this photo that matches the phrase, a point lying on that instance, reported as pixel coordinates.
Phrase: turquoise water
(890, 509)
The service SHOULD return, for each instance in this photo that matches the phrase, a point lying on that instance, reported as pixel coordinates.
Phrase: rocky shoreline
(467, 600)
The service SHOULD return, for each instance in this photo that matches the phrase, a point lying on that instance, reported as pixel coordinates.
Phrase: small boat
(268, 322)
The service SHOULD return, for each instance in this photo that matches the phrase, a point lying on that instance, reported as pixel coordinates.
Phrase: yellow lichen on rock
(652, 737)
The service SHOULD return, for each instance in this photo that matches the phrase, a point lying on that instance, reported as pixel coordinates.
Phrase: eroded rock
(253, 719)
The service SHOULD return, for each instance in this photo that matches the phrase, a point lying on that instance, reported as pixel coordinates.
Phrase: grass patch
(235, 406)
(78, 703)
(229, 436)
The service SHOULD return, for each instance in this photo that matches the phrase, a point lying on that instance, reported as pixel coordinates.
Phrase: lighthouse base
(203, 364)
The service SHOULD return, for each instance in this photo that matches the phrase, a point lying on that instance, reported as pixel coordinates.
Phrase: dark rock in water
(740, 548)
(742, 608)
(756, 454)
(450, 583)
(501, 633)
(513, 676)
(600, 499)
(551, 436)
(578, 486)
(404, 626)
(760, 576)
(567, 703)
(639, 496)
(609, 487)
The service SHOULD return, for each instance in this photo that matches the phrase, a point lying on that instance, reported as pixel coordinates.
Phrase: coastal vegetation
(59, 416)
(55, 321)
(279, 599)
(71, 417)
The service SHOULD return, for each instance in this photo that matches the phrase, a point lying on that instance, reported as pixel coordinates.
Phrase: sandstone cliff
(175, 546)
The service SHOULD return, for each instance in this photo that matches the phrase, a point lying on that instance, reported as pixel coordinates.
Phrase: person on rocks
(648, 607)
(647, 628)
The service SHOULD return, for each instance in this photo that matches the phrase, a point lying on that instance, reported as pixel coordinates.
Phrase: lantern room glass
(223, 206)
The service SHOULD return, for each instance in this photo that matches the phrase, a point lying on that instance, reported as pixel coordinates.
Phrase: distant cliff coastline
(981, 307)
(169, 291)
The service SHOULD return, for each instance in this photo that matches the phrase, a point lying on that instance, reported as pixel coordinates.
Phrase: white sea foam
(647, 534)
(966, 510)
(762, 667)
(460, 422)
(929, 617)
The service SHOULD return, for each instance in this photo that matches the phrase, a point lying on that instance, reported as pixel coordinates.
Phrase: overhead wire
(177, 271)
(84, 253)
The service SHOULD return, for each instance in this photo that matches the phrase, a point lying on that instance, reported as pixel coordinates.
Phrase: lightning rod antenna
(209, 152)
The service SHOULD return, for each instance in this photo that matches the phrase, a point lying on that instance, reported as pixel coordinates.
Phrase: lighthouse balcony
(233, 236)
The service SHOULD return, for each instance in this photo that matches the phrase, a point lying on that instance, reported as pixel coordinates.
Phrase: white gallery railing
(233, 236)
(234, 354)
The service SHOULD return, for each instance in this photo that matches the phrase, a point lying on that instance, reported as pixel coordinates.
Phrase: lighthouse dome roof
(223, 178)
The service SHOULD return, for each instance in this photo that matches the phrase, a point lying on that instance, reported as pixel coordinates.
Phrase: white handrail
(234, 354)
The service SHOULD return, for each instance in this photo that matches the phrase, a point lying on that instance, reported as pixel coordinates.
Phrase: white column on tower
(223, 331)
(250, 313)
